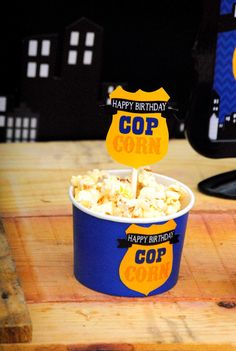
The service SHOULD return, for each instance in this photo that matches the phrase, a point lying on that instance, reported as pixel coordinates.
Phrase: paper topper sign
(138, 135)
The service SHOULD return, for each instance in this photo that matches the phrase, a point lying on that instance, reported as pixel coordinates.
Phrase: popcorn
(112, 195)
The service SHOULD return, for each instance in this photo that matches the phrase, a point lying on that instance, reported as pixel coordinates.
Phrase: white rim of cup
(137, 220)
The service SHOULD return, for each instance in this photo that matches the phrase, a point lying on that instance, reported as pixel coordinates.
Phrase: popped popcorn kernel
(109, 194)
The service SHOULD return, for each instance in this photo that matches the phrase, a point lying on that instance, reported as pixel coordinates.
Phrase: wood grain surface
(130, 326)
(197, 314)
(43, 250)
(15, 323)
(34, 179)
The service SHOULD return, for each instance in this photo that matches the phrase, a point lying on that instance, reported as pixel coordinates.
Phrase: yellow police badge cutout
(138, 135)
(147, 264)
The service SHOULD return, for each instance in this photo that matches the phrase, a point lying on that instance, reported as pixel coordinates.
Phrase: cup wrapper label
(147, 263)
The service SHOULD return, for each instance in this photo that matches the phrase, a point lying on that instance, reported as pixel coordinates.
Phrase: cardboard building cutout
(60, 85)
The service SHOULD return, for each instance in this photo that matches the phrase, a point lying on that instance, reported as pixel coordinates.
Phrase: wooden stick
(134, 182)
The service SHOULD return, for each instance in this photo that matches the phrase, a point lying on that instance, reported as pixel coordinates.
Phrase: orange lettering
(154, 145)
(141, 145)
(128, 144)
(164, 273)
(116, 143)
(128, 273)
(152, 274)
(140, 274)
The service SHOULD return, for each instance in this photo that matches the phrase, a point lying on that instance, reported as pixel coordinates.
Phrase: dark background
(147, 45)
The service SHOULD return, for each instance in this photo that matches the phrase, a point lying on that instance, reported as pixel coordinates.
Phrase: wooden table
(199, 313)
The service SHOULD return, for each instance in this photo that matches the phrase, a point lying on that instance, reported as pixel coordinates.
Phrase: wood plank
(118, 347)
(197, 314)
(43, 251)
(34, 193)
(34, 181)
(133, 325)
(15, 323)
(68, 155)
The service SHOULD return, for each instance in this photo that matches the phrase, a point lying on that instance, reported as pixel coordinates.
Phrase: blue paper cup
(131, 257)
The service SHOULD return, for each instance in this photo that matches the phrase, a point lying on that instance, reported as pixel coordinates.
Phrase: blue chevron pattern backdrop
(226, 6)
(224, 81)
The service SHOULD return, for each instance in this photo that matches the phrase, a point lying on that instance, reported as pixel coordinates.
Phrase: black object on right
(221, 185)
(211, 121)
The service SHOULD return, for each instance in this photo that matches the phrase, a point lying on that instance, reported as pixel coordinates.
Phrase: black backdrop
(147, 45)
